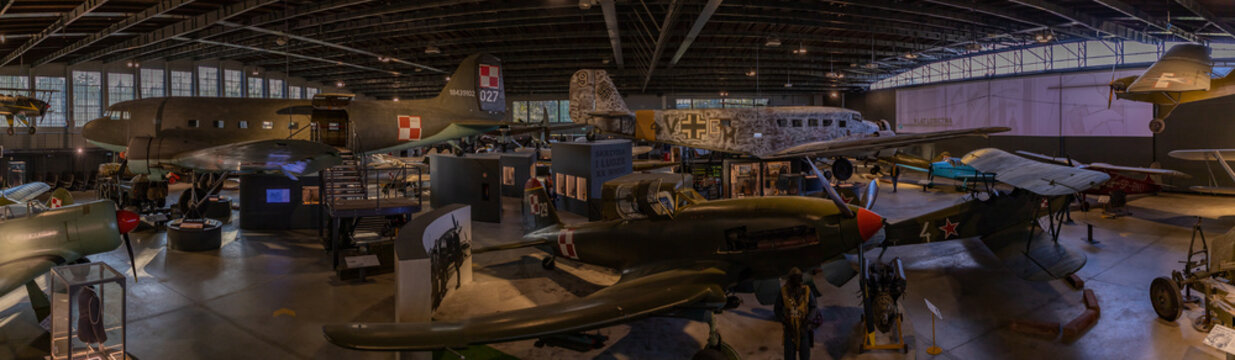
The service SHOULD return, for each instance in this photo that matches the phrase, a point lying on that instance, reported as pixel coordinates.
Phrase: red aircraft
(1125, 179)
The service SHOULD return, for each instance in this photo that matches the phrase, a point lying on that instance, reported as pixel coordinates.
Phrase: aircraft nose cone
(869, 223)
(127, 220)
(106, 131)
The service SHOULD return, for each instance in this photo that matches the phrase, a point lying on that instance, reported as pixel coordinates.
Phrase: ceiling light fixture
(396, 99)
(911, 56)
(724, 93)
(1043, 37)
(834, 94)
(338, 84)
(433, 50)
(447, 78)
(772, 42)
(751, 73)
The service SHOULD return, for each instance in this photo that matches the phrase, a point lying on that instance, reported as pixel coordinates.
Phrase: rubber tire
(1166, 298)
(590, 136)
(1157, 126)
(842, 169)
(875, 170)
(709, 354)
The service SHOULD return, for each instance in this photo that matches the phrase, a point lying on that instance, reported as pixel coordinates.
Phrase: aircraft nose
(104, 130)
(869, 223)
(127, 220)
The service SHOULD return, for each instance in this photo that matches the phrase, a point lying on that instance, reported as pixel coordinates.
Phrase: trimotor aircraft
(32, 245)
(297, 136)
(1182, 75)
(1120, 180)
(685, 254)
(1220, 156)
(763, 132)
(24, 109)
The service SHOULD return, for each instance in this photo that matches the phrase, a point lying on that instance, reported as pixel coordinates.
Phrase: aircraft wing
(1035, 259)
(1150, 171)
(876, 143)
(523, 129)
(1220, 190)
(290, 156)
(1203, 154)
(640, 292)
(1182, 68)
(1038, 177)
(1051, 159)
(914, 168)
(14, 274)
(21, 194)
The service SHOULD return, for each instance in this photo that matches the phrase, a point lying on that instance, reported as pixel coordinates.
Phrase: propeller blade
(128, 245)
(827, 186)
(1110, 97)
(872, 191)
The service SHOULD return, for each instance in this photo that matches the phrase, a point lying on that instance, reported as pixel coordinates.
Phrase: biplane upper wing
(1184, 67)
(640, 292)
(1038, 177)
(876, 143)
(1203, 154)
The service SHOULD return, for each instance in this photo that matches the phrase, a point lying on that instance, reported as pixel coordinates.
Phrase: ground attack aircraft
(1182, 75)
(297, 136)
(765, 132)
(689, 254)
(23, 109)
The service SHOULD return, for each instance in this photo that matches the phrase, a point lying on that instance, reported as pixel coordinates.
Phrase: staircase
(343, 181)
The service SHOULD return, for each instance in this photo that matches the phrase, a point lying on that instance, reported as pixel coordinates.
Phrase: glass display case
(87, 316)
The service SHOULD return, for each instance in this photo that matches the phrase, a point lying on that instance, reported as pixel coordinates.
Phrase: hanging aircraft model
(764, 132)
(158, 135)
(24, 109)
(1216, 155)
(34, 244)
(1182, 75)
(1120, 181)
(686, 255)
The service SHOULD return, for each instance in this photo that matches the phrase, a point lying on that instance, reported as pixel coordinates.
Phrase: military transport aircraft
(766, 133)
(297, 136)
(1181, 76)
(32, 245)
(686, 253)
(1120, 180)
(1216, 155)
(24, 109)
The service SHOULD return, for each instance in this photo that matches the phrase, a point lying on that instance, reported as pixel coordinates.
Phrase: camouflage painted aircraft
(1182, 75)
(24, 109)
(34, 244)
(688, 254)
(765, 132)
(297, 136)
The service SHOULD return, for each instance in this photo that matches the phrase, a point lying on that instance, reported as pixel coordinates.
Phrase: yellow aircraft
(24, 109)
(1181, 76)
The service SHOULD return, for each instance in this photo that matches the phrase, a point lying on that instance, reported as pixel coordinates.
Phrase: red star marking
(949, 228)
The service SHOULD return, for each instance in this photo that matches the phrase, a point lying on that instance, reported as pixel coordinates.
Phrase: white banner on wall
(1047, 105)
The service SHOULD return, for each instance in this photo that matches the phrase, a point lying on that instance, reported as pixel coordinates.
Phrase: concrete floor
(233, 303)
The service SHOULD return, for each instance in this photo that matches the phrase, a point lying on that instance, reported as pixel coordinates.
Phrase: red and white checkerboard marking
(566, 243)
(409, 128)
(56, 202)
(490, 76)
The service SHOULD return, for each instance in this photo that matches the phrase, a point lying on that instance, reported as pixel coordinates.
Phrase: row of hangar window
(810, 122)
(243, 124)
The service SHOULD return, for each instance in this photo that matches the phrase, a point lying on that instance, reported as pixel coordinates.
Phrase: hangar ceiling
(403, 48)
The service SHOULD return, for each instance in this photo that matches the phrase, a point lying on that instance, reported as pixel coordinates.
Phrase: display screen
(278, 196)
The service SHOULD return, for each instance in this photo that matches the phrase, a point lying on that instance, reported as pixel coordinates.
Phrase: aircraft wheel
(32, 130)
(1157, 125)
(875, 170)
(549, 263)
(1166, 298)
(842, 169)
(709, 354)
(591, 135)
(10, 131)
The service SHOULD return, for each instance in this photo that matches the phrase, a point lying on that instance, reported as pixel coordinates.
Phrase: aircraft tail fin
(594, 98)
(476, 88)
(60, 197)
(538, 211)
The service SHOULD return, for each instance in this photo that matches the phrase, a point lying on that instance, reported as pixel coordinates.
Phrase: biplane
(1121, 178)
(1216, 155)
(23, 110)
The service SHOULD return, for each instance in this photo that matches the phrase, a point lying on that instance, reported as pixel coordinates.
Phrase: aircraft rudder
(60, 197)
(538, 209)
(477, 85)
(592, 91)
